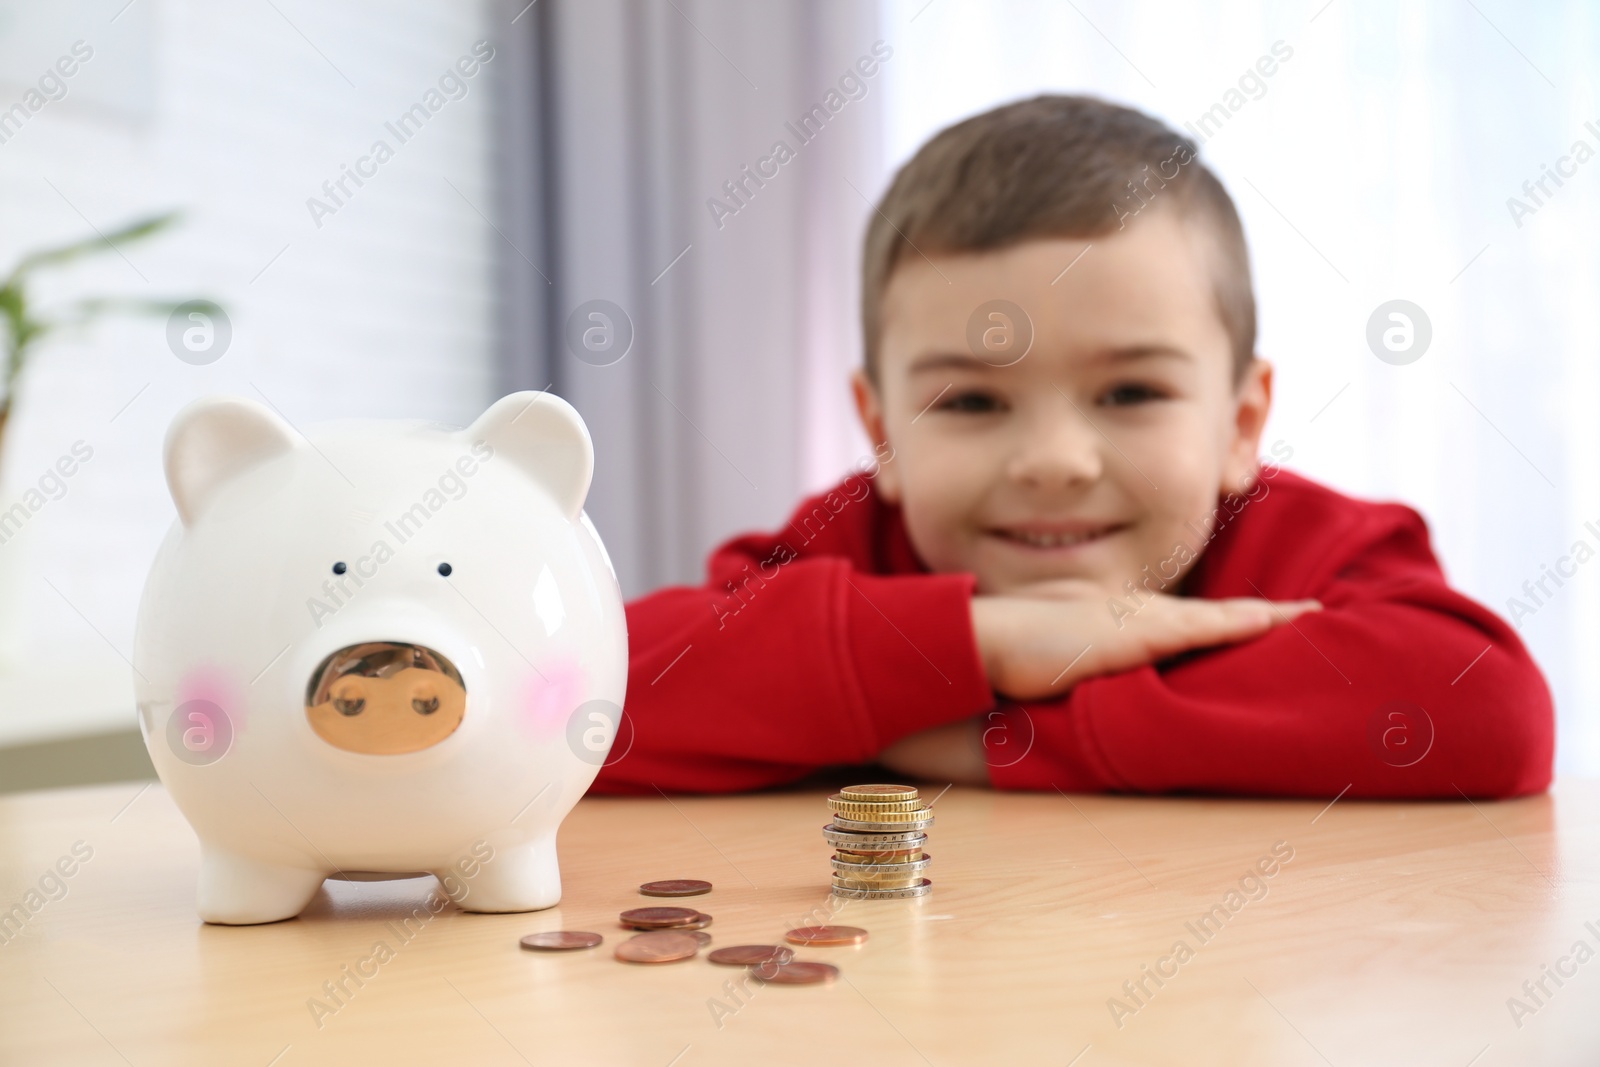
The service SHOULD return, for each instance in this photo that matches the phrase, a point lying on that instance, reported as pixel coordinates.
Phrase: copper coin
(658, 946)
(826, 935)
(745, 955)
(700, 923)
(675, 887)
(796, 972)
(658, 916)
(556, 940)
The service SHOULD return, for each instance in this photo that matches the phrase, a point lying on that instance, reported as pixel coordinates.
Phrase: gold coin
(879, 857)
(902, 882)
(879, 792)
(909, 815)
(841, 803)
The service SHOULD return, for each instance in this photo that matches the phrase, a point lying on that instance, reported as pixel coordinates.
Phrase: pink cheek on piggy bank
(550, 696)
(207, 714)
(214, 686)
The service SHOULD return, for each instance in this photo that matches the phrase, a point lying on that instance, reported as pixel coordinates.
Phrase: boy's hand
(1043, 640)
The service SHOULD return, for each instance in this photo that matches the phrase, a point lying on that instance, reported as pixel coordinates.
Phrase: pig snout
(384, 698)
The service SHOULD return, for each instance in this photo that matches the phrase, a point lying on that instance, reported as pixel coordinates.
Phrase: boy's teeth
(1051, 540)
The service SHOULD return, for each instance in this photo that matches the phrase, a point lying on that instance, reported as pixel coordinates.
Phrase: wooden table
(1396, 933)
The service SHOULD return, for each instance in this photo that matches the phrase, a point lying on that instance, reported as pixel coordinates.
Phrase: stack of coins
(878, 834)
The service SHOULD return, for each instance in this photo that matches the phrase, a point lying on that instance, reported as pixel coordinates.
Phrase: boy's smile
(1089, 457)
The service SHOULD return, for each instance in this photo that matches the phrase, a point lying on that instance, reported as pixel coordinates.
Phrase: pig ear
(545, 436)
(214, 439)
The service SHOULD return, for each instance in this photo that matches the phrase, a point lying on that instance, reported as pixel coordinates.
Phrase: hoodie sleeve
(788, 659)
(1400, 687)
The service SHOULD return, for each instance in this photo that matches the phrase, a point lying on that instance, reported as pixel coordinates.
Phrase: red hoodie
(822, 642)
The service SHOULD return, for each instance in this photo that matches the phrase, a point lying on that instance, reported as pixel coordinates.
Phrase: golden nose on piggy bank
(384, 698)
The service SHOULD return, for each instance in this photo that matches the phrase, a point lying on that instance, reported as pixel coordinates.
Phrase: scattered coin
(659, 916)
(701, 936)
(745, 955)
(795, 972)
(700, 922)
(658, 946)
(675, 887)
(558, 940)
(826, 935)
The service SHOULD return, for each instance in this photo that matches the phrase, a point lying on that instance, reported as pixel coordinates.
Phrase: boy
(1064, 567)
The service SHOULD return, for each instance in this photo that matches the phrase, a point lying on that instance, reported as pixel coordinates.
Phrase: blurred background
(543, 162)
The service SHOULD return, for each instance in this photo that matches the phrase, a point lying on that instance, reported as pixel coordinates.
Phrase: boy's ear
(869, 406)
(1252, 403)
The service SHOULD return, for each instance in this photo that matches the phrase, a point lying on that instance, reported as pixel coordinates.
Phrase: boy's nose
(1062, 449)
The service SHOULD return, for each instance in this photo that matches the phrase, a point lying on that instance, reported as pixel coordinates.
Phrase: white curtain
(630, 118)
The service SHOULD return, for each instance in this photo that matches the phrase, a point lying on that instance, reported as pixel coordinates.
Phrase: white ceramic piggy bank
(381, 647)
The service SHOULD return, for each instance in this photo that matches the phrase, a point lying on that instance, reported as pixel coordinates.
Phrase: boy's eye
(1130, 393)
(970, 403)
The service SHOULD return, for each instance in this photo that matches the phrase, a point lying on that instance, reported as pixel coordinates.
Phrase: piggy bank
(378, 648)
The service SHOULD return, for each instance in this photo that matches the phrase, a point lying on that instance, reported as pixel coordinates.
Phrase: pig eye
(349, 707)
(339, 568)
(425, 707)
(444, 569)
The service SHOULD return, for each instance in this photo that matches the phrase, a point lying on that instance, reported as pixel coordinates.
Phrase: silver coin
(868, 841)
(840, 823)
(909, 867)
(885, 894)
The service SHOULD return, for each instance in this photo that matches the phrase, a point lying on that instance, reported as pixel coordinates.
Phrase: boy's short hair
(1052, 166)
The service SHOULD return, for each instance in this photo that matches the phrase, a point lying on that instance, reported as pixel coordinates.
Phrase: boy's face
(1087, 457)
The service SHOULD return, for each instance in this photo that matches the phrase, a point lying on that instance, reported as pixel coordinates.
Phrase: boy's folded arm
(1311, 708)
(804, 664)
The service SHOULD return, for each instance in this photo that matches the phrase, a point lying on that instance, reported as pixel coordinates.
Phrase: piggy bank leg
(239, 891)
(519, 877)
